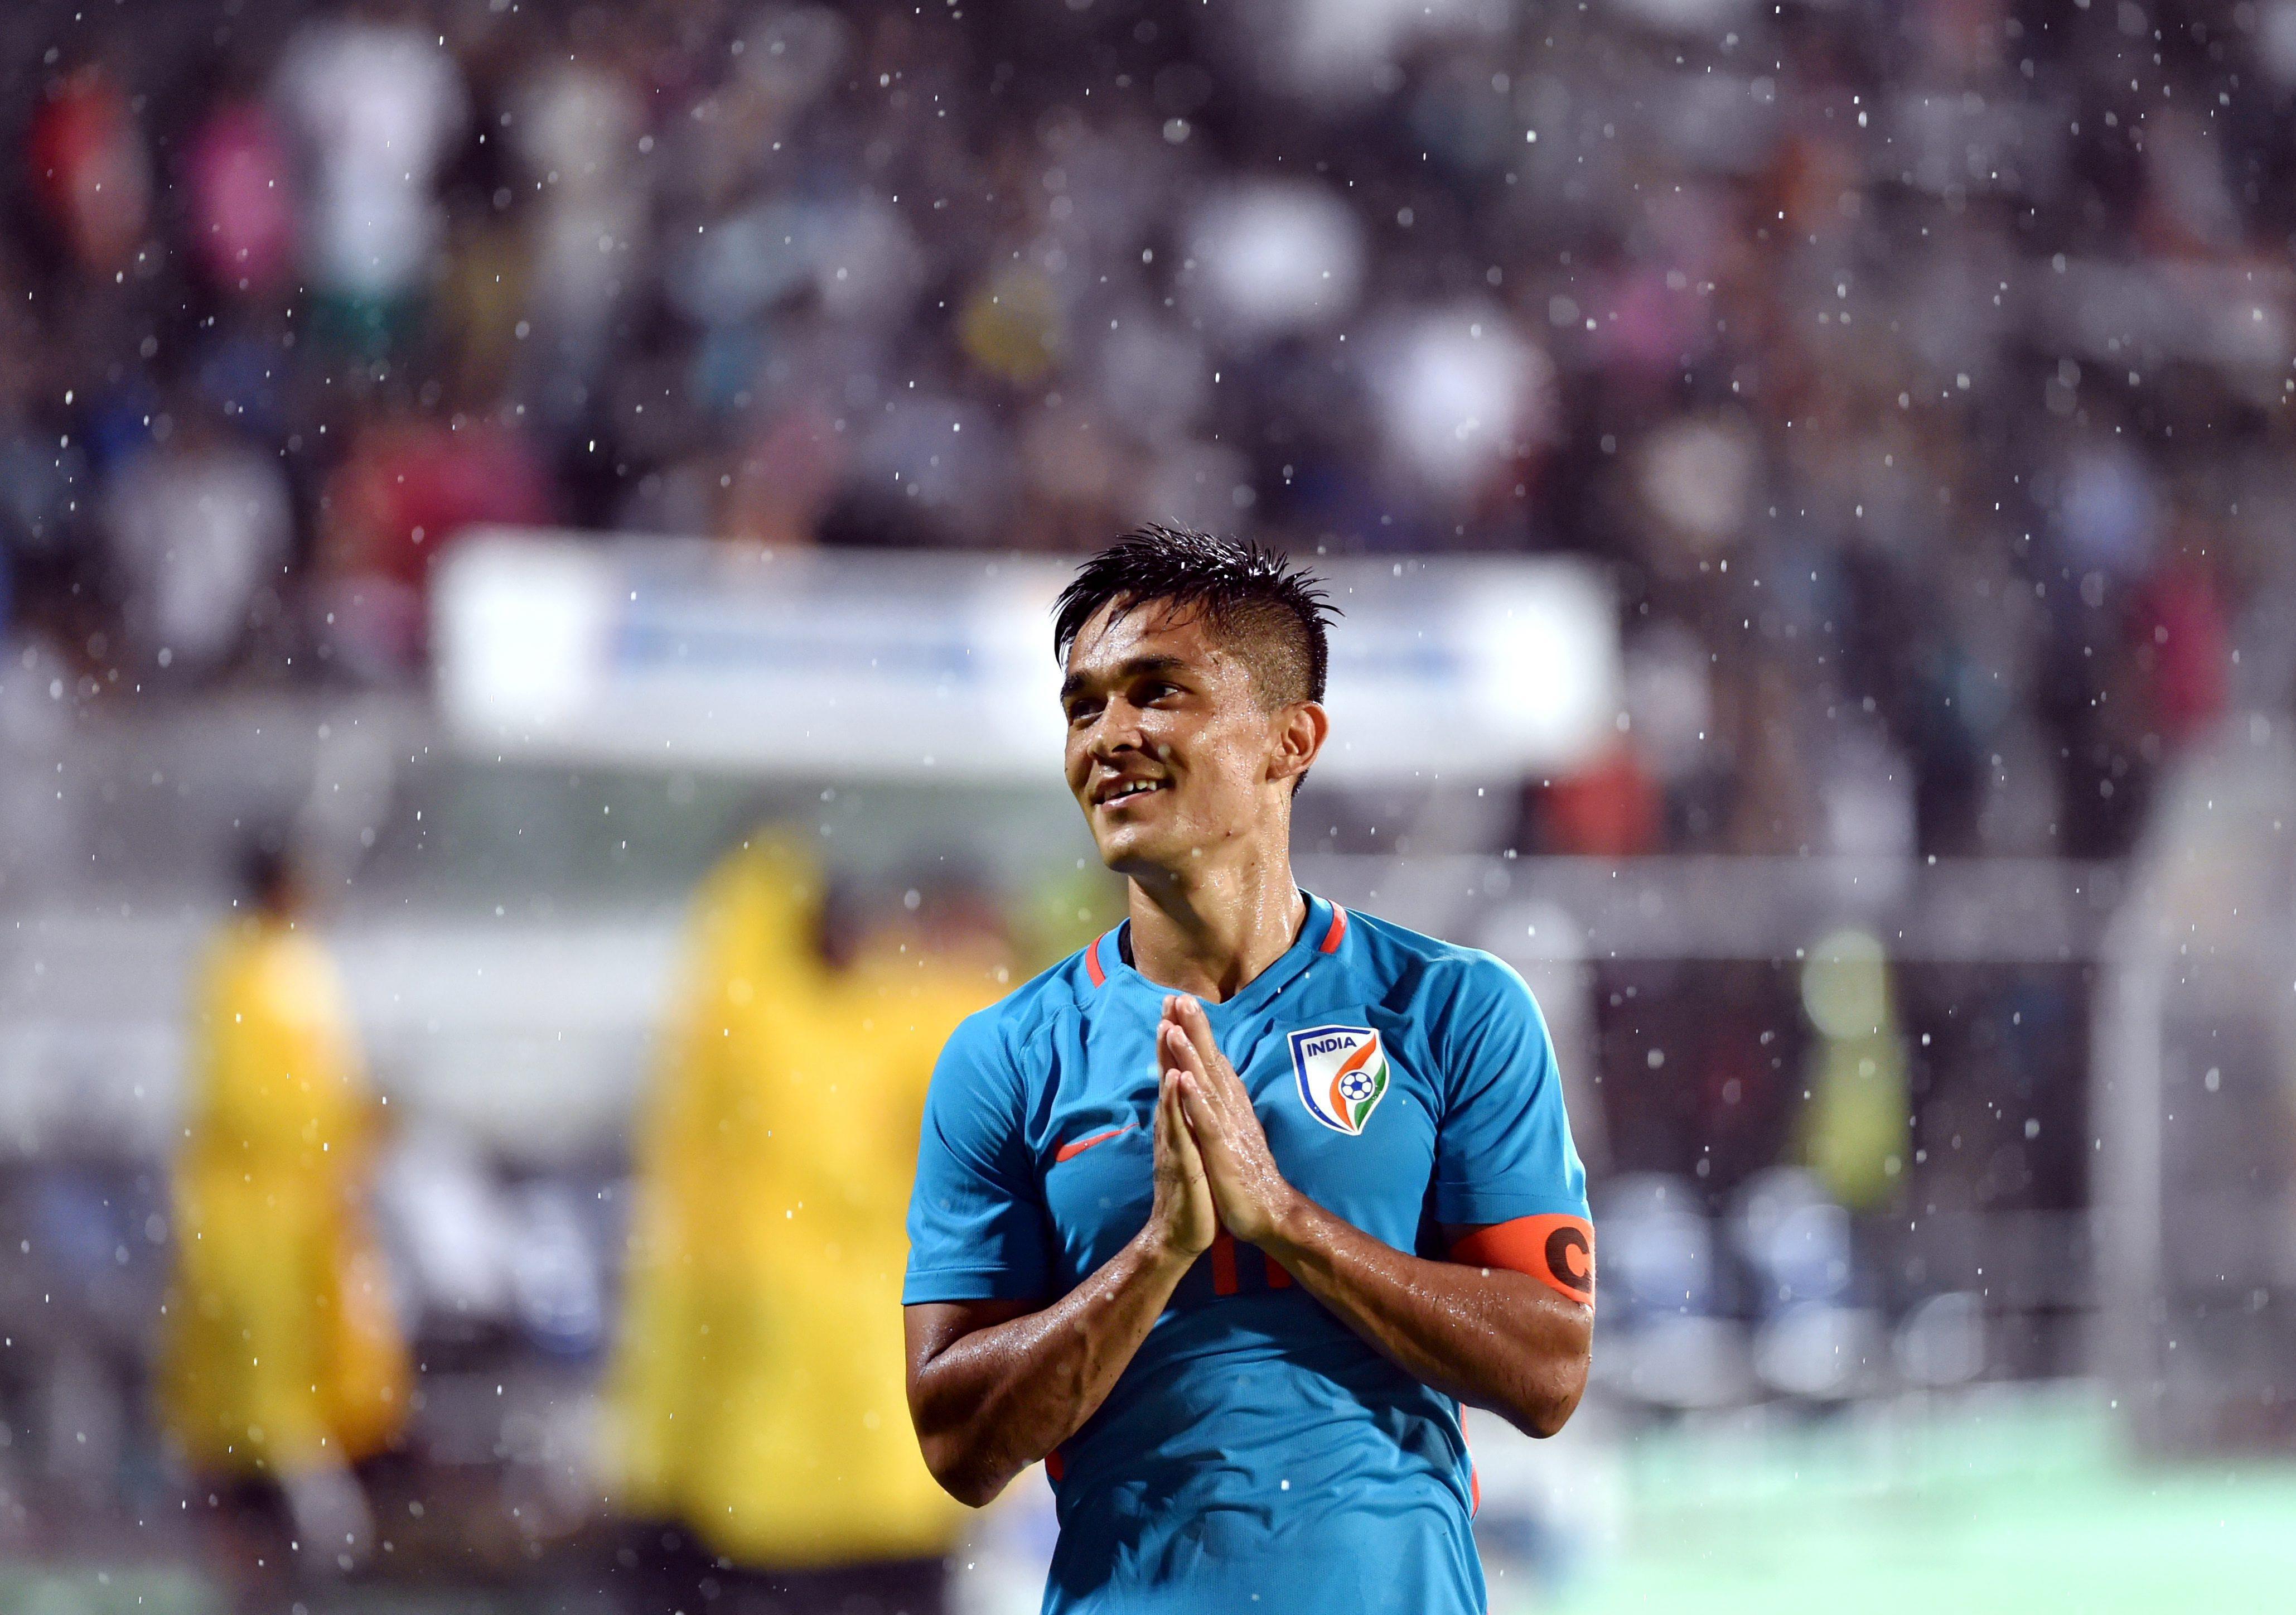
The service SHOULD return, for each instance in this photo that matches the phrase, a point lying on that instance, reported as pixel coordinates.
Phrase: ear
(1300, 728)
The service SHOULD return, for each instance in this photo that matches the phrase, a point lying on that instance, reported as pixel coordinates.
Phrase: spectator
(199, 527)
(758, 1390)
(378, 103)
(281, 1363)
(242, 201)
(92, 169)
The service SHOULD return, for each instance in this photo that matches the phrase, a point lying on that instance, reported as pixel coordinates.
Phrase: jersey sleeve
(977, 1222)
(1502, 1149)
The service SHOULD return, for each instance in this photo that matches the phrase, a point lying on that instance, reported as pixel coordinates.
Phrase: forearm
(1497, 1339)
(998, 1399)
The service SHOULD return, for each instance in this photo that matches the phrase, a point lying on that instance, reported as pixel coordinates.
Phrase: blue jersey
(1256, 1449)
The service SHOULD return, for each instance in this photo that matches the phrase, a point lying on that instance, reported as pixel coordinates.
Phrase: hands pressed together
(1493, 1337)
(996, 1385)
(1213, 1167)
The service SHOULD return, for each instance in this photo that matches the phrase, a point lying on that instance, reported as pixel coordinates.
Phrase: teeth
(1140, 789)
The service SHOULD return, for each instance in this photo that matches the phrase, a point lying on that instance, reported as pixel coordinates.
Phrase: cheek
(1225, 762)
(1168, 736)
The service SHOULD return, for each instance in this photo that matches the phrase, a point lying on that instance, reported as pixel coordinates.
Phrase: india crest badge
(1342, 1074)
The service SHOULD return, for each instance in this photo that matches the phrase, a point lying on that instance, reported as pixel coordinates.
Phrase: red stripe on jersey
(1337, 935)
(1223, 1264)
(1092, 961)
(1055, 1466)
(1076, 1147)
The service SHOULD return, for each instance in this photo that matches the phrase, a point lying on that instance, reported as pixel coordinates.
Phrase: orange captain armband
(1557, 1250)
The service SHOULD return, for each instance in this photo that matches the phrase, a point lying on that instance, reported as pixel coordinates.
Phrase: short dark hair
(1244, 588)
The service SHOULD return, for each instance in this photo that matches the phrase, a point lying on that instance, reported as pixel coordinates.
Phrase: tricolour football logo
(1342, 1072)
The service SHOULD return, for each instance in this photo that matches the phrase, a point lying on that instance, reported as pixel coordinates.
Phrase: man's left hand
(1251, 1195)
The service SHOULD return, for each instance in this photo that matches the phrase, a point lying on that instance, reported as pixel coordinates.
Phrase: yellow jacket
(758, 1390)
(279, 1349)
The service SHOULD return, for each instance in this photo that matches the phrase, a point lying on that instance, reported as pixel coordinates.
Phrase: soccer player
(1224, 1217)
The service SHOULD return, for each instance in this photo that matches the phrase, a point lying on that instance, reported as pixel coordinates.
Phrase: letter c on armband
(1557, 1250)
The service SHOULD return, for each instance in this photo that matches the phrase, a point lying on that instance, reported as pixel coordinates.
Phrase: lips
(1127, 790)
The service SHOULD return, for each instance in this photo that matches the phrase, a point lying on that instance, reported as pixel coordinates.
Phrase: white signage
(691, 653)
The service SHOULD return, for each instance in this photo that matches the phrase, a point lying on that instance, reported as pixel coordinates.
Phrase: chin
(1120, 848)
(1130, 848)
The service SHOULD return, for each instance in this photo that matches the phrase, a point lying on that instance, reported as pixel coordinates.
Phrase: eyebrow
(1138, 667)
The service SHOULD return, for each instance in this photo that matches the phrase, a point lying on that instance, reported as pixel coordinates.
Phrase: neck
(1209, 928)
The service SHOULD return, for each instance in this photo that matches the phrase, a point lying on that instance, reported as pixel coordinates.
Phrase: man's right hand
(1183, 1221)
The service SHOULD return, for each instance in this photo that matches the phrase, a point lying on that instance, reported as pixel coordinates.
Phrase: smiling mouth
(1127, 791)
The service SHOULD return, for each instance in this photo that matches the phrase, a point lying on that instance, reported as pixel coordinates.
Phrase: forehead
(1118, 634)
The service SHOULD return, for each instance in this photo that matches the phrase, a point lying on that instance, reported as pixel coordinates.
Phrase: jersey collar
(1320, 935)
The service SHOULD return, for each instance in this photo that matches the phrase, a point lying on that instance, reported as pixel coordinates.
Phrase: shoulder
(993, 1062)
(1463, 999)
(1433, 970)
(1006, 1033)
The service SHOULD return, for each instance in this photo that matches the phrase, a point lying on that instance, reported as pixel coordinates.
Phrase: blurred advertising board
(921, 665)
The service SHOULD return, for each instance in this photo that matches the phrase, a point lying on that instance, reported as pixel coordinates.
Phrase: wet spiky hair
(1275, 614)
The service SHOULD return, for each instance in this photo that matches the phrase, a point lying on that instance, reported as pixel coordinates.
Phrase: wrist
(1290, 1225)
(1161, 1254)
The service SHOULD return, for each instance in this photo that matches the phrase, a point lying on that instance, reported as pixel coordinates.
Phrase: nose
(1116, 731)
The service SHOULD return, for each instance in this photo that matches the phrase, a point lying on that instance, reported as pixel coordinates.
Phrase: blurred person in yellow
(758, 1412)
(282, 1363)
(1854, 1129)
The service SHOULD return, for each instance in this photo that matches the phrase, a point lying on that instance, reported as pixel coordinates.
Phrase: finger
(1180, 1050)
(1170, 1022)
(1189, 1012)
(1197, 1026)
(1186, 1153)
(1170, 1125)
(1202, 1087)
(1203, 1116)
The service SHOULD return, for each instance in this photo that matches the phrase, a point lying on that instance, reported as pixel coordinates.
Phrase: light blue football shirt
(1256, 1453)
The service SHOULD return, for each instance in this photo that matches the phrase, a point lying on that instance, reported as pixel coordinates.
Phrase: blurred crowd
(1921, 368)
